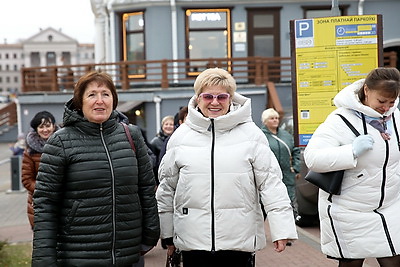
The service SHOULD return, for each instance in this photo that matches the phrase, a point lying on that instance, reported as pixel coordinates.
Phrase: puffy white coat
(364, 220)
(212, 177)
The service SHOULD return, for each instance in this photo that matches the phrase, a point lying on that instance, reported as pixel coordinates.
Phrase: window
(15, 79)
(35, 59)
(322, 11)
(133, 42)
(15, 67)
(66, 58)
(50, 59)
(15, 55)
(208, 35)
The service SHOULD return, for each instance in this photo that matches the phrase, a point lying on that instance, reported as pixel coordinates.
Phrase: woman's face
(97, 103)
(214, 101)
(378, 101)
(168, 127)
(272, 123)
(45, 129)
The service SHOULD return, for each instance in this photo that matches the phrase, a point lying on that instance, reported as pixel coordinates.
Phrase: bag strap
(288, 149)
(351, 125)
(395, 130)
(128, 135)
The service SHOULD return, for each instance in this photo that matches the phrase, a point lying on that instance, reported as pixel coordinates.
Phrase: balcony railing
(165, 73)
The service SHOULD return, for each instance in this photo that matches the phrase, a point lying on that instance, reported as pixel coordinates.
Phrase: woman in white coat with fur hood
(364, 220)
(217, 166)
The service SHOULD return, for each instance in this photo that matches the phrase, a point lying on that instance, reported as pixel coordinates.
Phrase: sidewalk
(14, 228)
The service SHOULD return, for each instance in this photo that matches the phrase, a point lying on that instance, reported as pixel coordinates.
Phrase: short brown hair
(101, 78)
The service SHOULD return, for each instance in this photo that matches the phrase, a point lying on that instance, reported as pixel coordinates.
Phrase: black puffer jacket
(94, 198)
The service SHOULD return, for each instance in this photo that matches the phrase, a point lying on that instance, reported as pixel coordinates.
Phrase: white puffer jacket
(366, 215)
(212, 177)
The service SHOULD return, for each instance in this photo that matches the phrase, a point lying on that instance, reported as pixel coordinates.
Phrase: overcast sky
(21, 19)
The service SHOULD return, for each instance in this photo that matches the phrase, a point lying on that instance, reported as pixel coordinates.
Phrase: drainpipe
(19, 119)
(174, 27)
(361, 7)
(335, 8)
(157, 100)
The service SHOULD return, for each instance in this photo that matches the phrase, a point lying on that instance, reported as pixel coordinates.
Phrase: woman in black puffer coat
(94, 199)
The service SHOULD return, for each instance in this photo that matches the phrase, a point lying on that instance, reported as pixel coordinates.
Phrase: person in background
(183, 111)
(181, 119)
(363, 221)
(18, 147)
(282, 144)
(217, 165)
(43, 125)
(94, 199)
(167, 128)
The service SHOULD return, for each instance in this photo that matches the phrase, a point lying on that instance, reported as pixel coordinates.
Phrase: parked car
(306, 193)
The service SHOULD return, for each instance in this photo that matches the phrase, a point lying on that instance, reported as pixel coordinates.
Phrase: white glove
(362, 144)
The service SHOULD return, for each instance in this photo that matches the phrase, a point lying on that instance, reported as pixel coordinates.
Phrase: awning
(127, 106)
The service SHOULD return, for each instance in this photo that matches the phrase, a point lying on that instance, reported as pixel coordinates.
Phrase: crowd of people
(99, 194)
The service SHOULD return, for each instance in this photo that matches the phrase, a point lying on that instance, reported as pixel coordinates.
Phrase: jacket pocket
(71, 215)
(352, 178)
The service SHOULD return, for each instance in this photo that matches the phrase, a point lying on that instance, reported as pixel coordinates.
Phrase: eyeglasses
(222, 98)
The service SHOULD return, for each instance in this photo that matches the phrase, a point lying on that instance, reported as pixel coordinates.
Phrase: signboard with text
(327, 55)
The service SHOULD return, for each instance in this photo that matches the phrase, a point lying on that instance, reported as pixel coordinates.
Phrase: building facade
(190, 29)
(131, 30)
(49, 47)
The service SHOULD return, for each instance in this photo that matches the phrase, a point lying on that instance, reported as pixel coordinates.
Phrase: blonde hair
(268, 113)
(213, 77)
(167, 118)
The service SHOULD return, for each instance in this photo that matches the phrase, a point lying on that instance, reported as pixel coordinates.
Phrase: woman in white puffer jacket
(364, 220)
(217, 166)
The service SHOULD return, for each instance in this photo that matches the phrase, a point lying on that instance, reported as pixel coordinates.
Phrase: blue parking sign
(304, 28)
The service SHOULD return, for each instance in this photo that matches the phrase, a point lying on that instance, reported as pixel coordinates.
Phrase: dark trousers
(224, 258)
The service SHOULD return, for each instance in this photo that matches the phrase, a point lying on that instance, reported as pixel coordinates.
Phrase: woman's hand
(280, 245)
(170, 249)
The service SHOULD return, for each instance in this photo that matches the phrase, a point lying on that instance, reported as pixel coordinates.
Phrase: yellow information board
(329, 54)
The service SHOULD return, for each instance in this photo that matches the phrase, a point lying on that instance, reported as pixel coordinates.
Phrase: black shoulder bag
(331, 182)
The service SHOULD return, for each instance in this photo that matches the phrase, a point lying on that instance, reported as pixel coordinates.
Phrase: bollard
(15, 163)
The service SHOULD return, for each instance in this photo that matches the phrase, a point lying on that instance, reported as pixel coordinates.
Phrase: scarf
(384, 125)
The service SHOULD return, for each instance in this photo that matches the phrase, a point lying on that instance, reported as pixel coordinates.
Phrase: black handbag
(331, 182)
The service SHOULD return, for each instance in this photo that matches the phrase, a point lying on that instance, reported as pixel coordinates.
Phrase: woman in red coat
(43, 126)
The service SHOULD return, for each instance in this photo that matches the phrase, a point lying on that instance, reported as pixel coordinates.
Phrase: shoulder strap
(350, 125)
(129, 136)
(395, 130)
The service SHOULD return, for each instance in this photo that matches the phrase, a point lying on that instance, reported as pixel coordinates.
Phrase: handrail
(165, 73)
(8, 115)
(157, 73)
(273, 100)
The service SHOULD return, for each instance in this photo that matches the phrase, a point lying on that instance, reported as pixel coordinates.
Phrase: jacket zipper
(212, 187)
(384, 225)
(113, 257)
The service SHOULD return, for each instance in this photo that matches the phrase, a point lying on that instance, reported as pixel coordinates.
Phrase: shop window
(322, 11)
(208, 35)
(133, 43)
